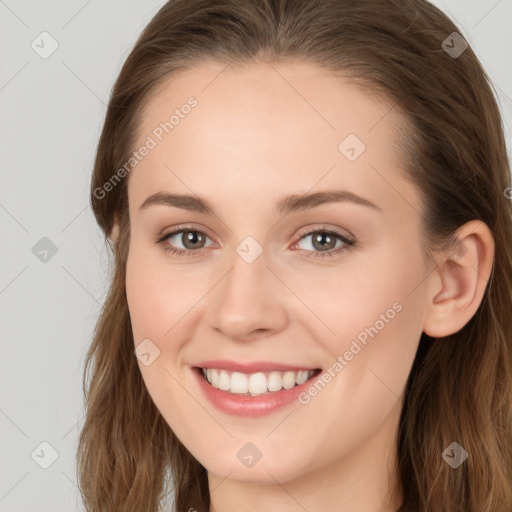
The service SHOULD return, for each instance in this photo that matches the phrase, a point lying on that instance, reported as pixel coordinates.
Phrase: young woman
(309, 208)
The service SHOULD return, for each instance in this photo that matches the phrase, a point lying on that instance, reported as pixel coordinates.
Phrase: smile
(256, 384)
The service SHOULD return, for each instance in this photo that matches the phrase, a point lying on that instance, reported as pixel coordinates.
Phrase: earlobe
(113, 236)
(457, 286)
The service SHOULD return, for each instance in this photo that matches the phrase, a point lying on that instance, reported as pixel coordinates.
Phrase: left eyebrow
(308, 201)
(284, 206)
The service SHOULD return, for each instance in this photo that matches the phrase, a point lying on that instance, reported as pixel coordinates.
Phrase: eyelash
(308, 254)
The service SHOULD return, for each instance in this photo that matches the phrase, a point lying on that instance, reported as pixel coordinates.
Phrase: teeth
(255, 383)
(224, 380)
(239, 383)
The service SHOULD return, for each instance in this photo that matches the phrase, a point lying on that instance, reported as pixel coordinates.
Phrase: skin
(260, 133)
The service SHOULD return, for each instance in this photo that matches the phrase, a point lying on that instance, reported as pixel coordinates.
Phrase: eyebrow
(286, 205)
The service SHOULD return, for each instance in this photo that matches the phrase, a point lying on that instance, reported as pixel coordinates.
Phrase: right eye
(192, 241)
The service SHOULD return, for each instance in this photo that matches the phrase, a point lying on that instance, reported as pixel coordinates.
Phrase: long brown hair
(460, 387)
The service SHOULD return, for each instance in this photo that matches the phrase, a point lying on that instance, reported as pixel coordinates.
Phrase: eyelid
(308, 230)
(165, 233)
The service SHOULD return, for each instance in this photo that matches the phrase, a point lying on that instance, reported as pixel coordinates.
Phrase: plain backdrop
(54, 266)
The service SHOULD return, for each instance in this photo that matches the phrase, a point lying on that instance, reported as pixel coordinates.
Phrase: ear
(457, 286)
(113, 236)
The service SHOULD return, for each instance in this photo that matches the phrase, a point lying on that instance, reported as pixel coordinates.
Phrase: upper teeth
(255, 383)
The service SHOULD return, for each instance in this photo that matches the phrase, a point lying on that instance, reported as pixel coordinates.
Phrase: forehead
(261, 128)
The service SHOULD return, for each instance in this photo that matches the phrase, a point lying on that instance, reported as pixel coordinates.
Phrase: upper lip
(252, 367)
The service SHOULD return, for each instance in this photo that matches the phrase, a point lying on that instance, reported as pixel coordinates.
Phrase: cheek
(377, 324)
(141, 298)
(373, 312)
(158, 294)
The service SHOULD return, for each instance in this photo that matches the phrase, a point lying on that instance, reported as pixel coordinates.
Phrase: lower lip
(250, 406)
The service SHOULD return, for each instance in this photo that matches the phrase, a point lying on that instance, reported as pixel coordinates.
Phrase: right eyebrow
(187, 202)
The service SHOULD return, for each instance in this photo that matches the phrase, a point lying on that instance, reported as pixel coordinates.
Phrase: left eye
(324, 241)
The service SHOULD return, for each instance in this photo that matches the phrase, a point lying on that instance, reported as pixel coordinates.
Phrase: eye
(191, 239)
(324, 243)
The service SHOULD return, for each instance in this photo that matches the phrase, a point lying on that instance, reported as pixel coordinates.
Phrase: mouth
(255, 384)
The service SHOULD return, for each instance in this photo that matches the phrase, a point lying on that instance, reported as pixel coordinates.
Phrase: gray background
(51, 113)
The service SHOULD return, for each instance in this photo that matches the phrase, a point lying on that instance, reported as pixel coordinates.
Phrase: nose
(249, 302)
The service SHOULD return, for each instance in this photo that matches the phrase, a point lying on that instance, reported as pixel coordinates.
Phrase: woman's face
(268, 280)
